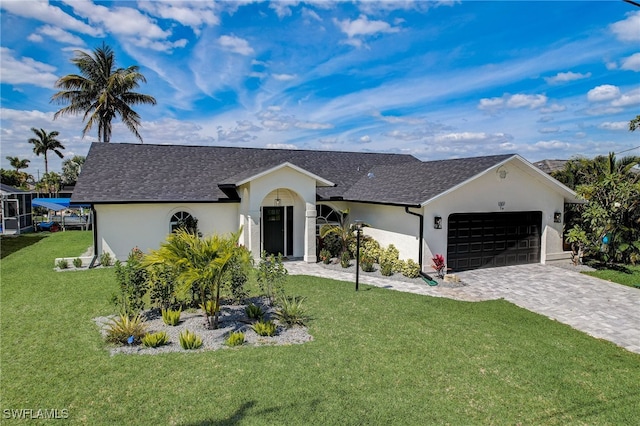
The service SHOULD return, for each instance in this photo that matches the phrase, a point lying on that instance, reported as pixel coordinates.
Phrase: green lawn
(379, 357)
(627, 275)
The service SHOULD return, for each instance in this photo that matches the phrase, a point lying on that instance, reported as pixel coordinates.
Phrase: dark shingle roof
(549, 166)
(121, 173)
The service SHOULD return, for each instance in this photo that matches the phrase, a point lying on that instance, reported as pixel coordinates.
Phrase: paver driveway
(599, 308)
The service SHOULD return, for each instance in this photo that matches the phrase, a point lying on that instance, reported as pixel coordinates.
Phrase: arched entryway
(279, 222)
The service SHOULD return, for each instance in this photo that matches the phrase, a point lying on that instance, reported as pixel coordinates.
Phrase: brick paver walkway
(599, 308)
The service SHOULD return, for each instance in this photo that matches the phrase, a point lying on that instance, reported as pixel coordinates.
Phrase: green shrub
(254, 312)
(345, 259)
(366, 261)
(386, 267)
(132, 283)
(171, 317)
(333, 243)
(272, 276)
(77, 262)
(106, 259)
(237, 275)
(190, 340)
(153, 340)
(264, 328)
(390, 259)
(290, 311)
(124, 329)
(62, 264)
(161, 280)
(410, 269)
(325, 256)
(235, 339)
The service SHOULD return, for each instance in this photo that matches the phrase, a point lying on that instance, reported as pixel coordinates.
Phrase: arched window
(183, 220)
(326, 215)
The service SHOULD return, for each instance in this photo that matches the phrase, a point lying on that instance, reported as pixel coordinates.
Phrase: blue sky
(433, 79)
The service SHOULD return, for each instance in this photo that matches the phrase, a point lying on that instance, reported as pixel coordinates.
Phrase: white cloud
(365, 139)
(236, 45)
(281, 146)
(605, 92)
(44, 12)
(549, 130)
(628, 29)
(632, 63)
(552, 144)
(552, 108)
(60, 35)
(614, 125)
(475, 137)
(308, 13)
(284, 77)
(193, 14)
(627, 99)
(362, 27)
(563, 77)
(25, 70)
(283, 7)
(512, 101)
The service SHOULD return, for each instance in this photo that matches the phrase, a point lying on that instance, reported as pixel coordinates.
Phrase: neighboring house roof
(550, 166)
(7, 189)
(125, 173)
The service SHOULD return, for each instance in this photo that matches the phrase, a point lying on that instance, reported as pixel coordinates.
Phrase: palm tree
(18, 163)
(44, 143)
(101, 92)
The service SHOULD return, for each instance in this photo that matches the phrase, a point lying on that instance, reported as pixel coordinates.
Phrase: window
(326, 215)
(183, 220)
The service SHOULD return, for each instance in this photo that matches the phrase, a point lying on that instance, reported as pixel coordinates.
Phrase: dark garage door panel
(484, 240)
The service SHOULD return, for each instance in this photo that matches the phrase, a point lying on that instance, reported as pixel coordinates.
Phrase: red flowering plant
(439, 265)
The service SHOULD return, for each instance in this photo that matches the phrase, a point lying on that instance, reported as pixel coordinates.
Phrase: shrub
(171, 317)
(62, 264)
(438, 265)
(345, 259)
(366, 262)
(190, 340)
(124, 329)
(410, 269)
(291, 312)
(390, 259)
(271, 276)
(332, 243)
(325, 256)
(162, 286)
(238, 274)
(254, 312)
(235, 339)
(264, 328)
(153, 340)
(77, 262)
(386, 267)
(106, 259)
(132, 282)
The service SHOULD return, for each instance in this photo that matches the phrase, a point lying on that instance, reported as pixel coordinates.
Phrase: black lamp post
(358, 224)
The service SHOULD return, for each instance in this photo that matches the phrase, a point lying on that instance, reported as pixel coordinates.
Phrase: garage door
(485, 240)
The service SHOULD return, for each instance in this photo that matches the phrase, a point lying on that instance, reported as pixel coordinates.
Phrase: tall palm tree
(18, 163)
(45, 142)
(101, 92)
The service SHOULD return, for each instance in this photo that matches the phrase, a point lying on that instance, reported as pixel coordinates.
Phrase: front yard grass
(378, 357)
(628, 275)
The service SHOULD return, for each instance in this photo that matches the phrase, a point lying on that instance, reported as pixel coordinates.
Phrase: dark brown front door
(485, 240)
(273, 228)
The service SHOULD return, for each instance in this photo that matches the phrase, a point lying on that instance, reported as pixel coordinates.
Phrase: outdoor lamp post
(358, 225)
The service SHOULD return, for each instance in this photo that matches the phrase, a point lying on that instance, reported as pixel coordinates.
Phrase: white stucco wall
(390, 225)
(520, 190)
(121, 227)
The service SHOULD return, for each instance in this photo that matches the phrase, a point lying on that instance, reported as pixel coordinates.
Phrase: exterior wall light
(557, 217)
(437, 222)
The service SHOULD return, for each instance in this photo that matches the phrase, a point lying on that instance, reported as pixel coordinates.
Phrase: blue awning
(56, 204)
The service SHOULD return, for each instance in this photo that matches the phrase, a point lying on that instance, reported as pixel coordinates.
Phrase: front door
(273, 229)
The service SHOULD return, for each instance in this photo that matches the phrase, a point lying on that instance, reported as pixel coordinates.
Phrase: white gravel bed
(232, 319)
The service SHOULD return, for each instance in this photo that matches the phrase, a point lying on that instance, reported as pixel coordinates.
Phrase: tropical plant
(367, 261)
(162, 286)
(254, 312)
(189, 340)
(235, 339)
(124, 329)
(50, 183)
(18, 163)
(62, 264)
(237, 275)
(171, 317)
(271, 276)
(439, 265)
(345, 259)
(344, 230)
(291, 311)
(264, 328)
(106, 259)
(634, 123)
(77, 262)
(153, 340)
(71, 169)
(410, 268)
(132, 284)
(325, 256)
(101, 92)
(45, 142)
(203, 261)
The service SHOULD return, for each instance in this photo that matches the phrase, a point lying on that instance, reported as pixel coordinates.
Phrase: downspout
(421, 233)
(94, 227)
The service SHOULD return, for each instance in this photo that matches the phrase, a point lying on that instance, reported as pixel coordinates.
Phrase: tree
(45, 142)
(101, 92)
(608, 226)
(634, 124)
(71, 169)
(201, 261)
(18, 163)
